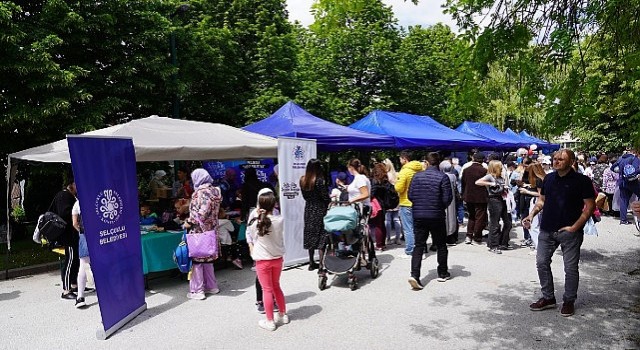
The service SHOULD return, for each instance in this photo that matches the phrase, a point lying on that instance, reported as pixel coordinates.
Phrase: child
(147, 218)
(267, 249)
(339, 193)
(229, 249)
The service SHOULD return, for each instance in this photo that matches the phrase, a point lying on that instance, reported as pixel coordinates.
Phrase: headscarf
(200, 177)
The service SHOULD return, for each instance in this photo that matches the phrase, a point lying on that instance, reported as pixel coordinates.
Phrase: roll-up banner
(104, 170)
(293, 155)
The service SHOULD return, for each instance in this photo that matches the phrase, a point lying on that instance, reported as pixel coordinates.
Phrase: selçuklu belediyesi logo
(108, 206)
(298, 152)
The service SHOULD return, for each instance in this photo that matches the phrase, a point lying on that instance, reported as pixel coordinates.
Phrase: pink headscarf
(200, 177)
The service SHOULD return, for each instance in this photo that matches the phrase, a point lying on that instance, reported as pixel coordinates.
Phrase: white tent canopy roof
(158, 139)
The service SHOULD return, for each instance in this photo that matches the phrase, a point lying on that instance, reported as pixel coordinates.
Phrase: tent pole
(6, 266)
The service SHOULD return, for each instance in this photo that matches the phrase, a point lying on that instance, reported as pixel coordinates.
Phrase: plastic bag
(590, 228)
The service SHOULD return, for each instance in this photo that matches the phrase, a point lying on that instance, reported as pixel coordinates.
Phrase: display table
(158, 249)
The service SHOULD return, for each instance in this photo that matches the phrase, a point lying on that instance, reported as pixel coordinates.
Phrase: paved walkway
(484, 306)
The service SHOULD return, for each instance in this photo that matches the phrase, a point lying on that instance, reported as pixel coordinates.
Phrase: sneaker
(495, 251)
(268, 325)
(443, 277)
(69, 296)
(415, 283)
(260, 307)
(212, 291)
(80, 303)
(623, 222)
(567, 309)
(237, 263)
(281, 319)
(505, 247)
(196, 296)
(467, 240)
(543, 304)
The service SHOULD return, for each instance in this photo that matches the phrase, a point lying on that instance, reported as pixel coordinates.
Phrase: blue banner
(105, 174)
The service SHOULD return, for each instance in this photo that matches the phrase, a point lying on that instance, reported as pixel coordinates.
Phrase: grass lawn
(25, 252)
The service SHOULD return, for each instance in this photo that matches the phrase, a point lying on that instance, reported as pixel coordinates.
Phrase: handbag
(202, 245)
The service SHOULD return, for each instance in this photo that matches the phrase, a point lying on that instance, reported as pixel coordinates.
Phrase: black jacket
(62, 204)
(430, 193)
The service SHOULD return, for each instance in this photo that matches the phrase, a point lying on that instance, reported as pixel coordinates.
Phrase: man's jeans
(570, 244)
(406, 217)
(422, 228)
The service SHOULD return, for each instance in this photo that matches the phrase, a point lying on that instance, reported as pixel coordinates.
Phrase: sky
(426, 13)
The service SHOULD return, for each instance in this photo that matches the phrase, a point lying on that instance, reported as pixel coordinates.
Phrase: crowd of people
(552, 196)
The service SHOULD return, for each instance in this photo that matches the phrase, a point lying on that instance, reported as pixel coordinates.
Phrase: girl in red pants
(267, 250)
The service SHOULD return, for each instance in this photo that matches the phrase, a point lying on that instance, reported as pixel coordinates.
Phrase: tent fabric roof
(414, 131)
(489, 132)
(159, 138)
(293, 121)
(540, 142)
(510, 133)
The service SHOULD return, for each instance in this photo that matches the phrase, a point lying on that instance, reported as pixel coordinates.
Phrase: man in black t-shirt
(62, 205)
(568, 200)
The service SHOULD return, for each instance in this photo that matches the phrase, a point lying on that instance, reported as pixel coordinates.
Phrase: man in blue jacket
(430, 193)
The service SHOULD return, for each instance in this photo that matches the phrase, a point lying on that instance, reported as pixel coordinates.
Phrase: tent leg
(6, 265)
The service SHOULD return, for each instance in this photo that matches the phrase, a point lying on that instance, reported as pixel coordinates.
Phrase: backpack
(630, 169)
(181, 256)
(391, 199)
(50, 226)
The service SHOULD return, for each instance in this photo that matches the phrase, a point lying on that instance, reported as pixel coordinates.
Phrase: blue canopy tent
(542, 143)
(293, 121)
(414, 131)
(489, 132)
(514, 135)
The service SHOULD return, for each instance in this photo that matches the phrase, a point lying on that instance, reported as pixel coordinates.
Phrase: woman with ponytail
(267, 250)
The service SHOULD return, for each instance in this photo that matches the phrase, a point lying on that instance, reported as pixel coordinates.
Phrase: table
(158, 249)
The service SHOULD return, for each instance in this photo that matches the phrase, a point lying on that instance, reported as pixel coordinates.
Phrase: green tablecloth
(157, 251)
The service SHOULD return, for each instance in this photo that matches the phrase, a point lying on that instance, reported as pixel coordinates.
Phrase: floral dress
(317, 200)
(203, 212)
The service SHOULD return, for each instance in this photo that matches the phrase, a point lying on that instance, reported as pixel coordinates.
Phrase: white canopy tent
(162, 139)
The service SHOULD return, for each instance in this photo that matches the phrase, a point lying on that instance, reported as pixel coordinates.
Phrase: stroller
(349, 246)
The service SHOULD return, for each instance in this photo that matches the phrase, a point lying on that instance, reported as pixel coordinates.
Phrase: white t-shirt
(270, 246)
(75, 210)
(225, 227)
(354, 188)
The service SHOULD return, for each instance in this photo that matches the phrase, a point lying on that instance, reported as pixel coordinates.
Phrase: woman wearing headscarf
(452, 209)
(203, 216)
(157, 184)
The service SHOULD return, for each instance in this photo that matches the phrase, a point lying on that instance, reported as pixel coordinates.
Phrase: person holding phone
(568, 201)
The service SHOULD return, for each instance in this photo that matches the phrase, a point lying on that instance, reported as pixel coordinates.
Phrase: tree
(589, 51)
(347, 64)
(429, 62)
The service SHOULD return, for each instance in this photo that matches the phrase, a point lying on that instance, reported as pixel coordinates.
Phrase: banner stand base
(103, 334)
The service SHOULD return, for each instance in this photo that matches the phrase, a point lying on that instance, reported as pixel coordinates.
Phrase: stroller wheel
(322, 282)
(375, 268)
